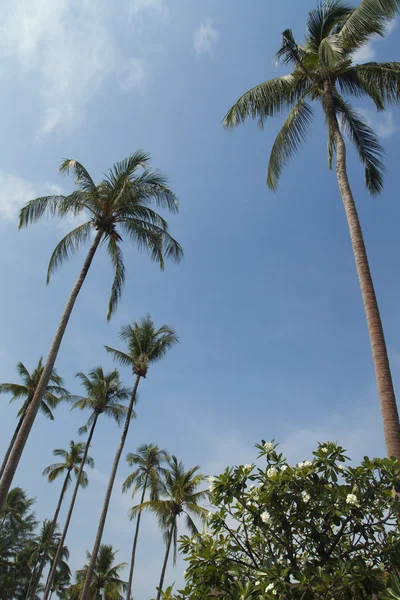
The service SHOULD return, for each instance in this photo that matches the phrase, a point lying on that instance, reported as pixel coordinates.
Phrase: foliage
(72, 460)
(281, 531)
(325, 62)
(148, 461)
(106, 582)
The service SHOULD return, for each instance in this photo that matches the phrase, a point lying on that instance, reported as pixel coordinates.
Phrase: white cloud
(382, 123)
(139, 9)
(205, 38)
(367, 53)
(68, 47)
(132, 74)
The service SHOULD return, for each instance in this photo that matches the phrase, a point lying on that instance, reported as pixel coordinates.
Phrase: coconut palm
(148, 463)
(178, 495)
(119, 204)
(146, 345)
(104, 396)
(72, 460)
(25, 390)
(15, 509)
(324, 70)
(106, 582)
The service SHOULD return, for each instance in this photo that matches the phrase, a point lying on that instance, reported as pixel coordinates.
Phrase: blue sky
(273, 340)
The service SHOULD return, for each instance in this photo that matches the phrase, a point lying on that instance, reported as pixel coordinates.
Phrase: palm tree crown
(15, 508)
(146, 344)
(326, 58)
(72, 460)
(53, 395)
(148, 461)
(105, 394)
(106, 582)
(119, 204)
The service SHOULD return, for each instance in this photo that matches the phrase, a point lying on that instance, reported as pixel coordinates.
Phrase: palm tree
(146, 345)
(53, 395)
(106, 583)
(179, 496)
(120, 203)
(72, 462)
(15, 508)
(104, 394)
(148, 463)
(324, 70)
(41, 550)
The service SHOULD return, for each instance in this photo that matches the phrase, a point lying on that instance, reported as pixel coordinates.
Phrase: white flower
(211, 487)
(270, 587)
(210, 514)
(257, 583)
(351, 499)
(300, 465)
(307, 463)
(341, 467)
(274, 592)
(268, 446)
(248, 467)
(265, 517)
(249, 503)
(284, 467)
(306, 497)
(324, 449)
(211, 479)
(271, 472)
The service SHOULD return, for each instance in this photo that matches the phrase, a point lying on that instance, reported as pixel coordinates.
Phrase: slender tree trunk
(128, 590)
(164, 567)
(103, 516)
(10, 447)
(383, 375)
(33, 576)
(51, 532)
(26, 427)
(69, 515)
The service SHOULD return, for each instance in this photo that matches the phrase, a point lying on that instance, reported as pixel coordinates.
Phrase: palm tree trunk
(33, 576)
(51, 532)
(14, 437)
(128, 590)
(103, 516)
(164, 567)
(380, 358)
(69, 515)
(26, 427)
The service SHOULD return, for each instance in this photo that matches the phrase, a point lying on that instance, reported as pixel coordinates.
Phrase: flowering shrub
(320, 529)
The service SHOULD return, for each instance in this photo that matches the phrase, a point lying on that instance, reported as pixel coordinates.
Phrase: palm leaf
(68, 246)
(115, 253)
(367, 20)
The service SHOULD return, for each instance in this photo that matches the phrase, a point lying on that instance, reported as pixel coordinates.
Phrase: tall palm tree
(72, 460)
(148, 463)
(179, 496)
(106, 582)
(54, 393)
(324, 70)
(119, 204)
(104, 395)
(146, 345)
(40, 551)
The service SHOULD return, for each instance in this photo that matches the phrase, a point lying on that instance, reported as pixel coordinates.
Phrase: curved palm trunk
(383, 375)
(103, 516)
(47, 592)
(11, 444)
(28, 591)
(50, 535)
(26, 427)
(164, 567)
(128, 589)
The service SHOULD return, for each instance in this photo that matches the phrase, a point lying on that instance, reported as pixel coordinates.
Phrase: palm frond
(349, 82)
(35, 209)
(124, 359)
(288, 141)
(68, 246)
(369, 19)
(290, 53)
(82, 178)
(115, 253)
(323, 20)
(381, 78)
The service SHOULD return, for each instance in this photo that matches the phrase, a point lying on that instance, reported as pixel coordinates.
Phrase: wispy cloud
(382, 123)
(205, 38)
(69, 47)
(133, 74)
(139, 9)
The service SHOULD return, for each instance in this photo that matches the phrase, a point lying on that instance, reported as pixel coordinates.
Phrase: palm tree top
(106, 581)
(119, 205)
(55, 392)
(148, 460)
(325, 62)
(105, 394)
(72, 460)
(146, 344)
